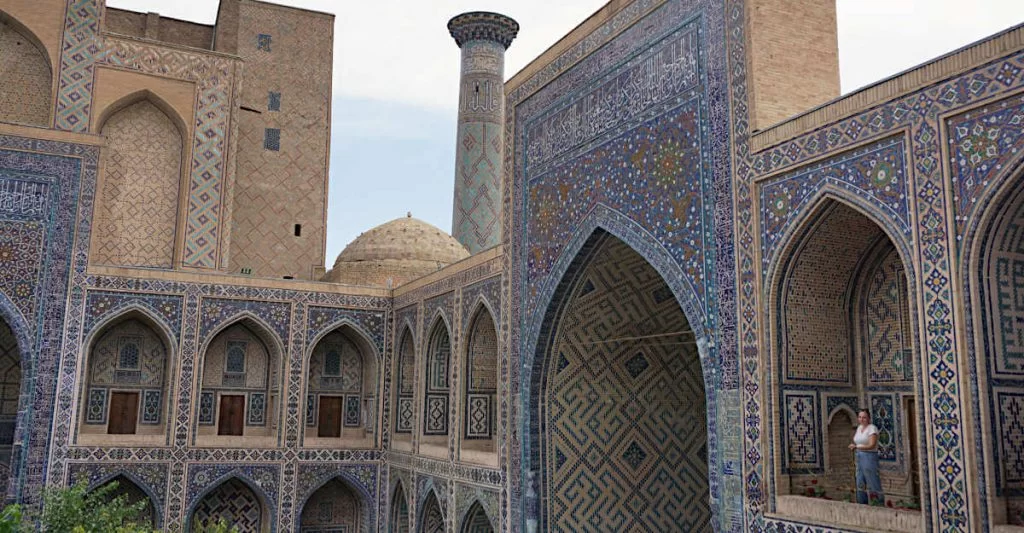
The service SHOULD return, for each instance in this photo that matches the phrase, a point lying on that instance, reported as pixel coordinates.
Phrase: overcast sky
(396, 82)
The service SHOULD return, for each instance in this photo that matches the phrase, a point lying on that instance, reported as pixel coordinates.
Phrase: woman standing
(865, 442)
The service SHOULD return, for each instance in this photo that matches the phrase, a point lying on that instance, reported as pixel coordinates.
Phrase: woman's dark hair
(865, 411)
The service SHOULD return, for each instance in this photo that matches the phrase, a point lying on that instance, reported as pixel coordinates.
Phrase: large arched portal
(622, 404)
(998, 279)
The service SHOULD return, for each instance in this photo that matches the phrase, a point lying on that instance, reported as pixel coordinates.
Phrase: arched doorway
(622, 406)
(843, 340)
(399, 517)
(333, 508)
(127, 382)
(241, 380)
(236, 504)
(341, 386)
(10, 392)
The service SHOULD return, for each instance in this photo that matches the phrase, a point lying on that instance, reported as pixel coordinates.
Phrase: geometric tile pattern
(814, 322)
(884, 418)
(886, 322)
(234, 502)
(137, 208)
(96, 412)
(433, 518)
(215, 77)
(150, 407)
(438, 369)
(435, 420)
(206, 408)
(1005, 291)
(802, 430)
(477, 521)
(25, 94)
(1010, 409)
(256, 412)
(79, 52)
(982, 142)
(352, 411)
(479, 421)
(476, 219)
(333, 508)
(625, 453)
(399, 518)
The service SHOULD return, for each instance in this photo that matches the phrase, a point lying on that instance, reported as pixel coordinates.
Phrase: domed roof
(394, 253)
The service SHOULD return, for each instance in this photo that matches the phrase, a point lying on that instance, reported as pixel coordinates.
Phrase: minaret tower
(483, 38)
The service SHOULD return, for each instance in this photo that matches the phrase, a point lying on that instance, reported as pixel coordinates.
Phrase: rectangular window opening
(274, 101)
(272, 139)
(263, 42)
(298, 230)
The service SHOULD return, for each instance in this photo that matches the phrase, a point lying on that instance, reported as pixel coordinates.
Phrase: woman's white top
(863, 435)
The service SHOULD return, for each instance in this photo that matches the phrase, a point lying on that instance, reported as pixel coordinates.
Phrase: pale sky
(396, 82)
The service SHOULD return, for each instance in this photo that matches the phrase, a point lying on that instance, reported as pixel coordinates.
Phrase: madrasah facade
(680, 262)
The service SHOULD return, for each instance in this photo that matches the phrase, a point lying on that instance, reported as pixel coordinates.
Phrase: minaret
(483, 38)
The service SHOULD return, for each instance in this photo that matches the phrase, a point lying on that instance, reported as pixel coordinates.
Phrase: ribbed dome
(400, 251)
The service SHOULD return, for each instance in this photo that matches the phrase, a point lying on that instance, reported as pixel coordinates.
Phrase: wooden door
(329, 424)
(124, 413)
(231, 420)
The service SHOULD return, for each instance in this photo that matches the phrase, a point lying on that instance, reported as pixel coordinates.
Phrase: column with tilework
(476, 214)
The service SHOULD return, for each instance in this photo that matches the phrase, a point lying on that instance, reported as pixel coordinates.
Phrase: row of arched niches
(126, 394)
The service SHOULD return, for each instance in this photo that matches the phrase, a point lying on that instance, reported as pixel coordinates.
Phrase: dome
(394, 253)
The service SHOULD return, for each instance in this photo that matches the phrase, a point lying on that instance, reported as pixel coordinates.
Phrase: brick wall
(793, 58)
(282, 149)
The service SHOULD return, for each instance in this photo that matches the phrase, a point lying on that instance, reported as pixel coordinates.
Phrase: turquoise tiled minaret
(483, 38)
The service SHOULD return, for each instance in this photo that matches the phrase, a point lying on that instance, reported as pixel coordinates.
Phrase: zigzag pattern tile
(79, 51)
(625, 453)
(477, 211)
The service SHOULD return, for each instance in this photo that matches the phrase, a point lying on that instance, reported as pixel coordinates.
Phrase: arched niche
(476, 520)
(621, 392)
(405, 390)
(27, 75)
(138, 193)
(842, 317)
(432, 518)
(995, 274)
(341, 391)
(436, 389)
(240, 387)
(335, 506)
(398, 521)
(133, 494)
(234, 502)
(479, 389)
(126, 384)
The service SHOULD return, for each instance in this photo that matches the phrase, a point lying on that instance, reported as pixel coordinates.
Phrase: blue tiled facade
(638, 131)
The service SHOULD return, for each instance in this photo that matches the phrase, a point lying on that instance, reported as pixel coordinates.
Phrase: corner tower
(483, 38)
